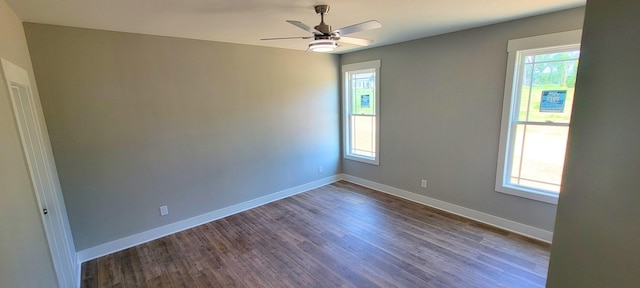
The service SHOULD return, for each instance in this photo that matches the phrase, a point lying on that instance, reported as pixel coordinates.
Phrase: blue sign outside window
(364, 101)
(553, 101)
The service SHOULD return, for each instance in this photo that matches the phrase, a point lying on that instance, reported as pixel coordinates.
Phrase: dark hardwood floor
(339, 235)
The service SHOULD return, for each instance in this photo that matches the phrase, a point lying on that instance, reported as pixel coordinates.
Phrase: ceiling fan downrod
(322, 27)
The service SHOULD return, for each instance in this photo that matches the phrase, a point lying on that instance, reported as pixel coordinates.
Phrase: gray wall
(597, 239)
(24, 254)
(140, 121)
(441, 102)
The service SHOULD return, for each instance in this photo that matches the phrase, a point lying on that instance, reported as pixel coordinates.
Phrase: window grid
(530, 60)
(361, 101)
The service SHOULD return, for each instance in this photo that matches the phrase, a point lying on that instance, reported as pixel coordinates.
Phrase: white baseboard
(78, 272)
(512, 226)
(146, 236)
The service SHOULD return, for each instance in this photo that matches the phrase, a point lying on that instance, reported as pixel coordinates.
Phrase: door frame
(43, 174)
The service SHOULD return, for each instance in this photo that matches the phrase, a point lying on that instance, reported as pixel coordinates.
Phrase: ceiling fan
(325, 39)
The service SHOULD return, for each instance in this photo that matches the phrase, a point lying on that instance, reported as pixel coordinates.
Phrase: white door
(43, 174)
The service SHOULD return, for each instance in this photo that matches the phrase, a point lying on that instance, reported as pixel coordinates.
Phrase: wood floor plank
(339, 235)
(89, 275)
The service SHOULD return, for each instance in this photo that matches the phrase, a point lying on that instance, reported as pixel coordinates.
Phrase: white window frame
(346, 108)
(515, 48)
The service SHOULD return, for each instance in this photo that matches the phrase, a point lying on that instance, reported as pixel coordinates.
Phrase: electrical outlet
(164, 210)
(423, 184)
(320, 169)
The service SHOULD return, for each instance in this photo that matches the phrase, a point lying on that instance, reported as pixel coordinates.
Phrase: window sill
(529, 194)
(368, 160)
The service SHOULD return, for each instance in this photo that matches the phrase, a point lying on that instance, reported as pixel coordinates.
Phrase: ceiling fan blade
(369, 25)
(304, 27)
(356, 41)
(283, 38)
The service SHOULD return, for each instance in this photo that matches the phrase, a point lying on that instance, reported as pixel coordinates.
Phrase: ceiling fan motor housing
(325, 37)
(324, 28)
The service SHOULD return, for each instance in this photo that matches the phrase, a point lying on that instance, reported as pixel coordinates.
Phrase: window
(536, 113)
(361, 109)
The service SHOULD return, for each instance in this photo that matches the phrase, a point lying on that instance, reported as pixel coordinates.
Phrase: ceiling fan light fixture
(322, 45)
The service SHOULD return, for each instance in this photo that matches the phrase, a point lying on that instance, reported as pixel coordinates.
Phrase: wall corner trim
(149, 235)
(509, 225)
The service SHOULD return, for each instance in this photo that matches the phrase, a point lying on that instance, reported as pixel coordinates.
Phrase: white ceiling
(246, 21)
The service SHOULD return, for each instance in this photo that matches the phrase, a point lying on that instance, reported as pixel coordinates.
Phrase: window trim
(350, 68)
(514, 48)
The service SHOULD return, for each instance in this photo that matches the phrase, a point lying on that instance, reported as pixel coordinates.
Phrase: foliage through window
(536, 116)
(361, 108)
